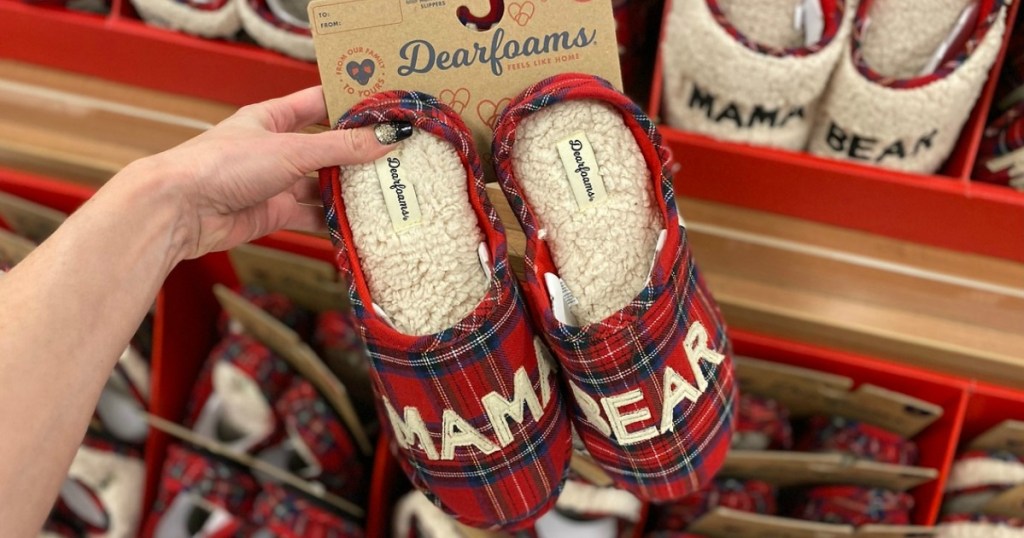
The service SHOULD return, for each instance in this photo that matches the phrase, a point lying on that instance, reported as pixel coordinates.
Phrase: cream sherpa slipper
(743, 71)
(280, 25)
(205, 18)
(103, 489)
(901, 94)
(123, 402)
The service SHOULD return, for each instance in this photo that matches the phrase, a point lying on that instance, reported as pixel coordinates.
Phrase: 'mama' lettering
(734, 113)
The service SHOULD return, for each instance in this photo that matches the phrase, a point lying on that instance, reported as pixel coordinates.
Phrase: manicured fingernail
(392, 132)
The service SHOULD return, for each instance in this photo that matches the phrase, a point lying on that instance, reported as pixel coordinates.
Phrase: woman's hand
(247, 176)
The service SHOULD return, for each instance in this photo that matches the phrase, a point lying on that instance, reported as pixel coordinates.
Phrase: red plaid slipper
(321, 443)
(474, 409)
(200, 495)
(854, 505)
(282, 512)
(838, 434)
(610, 279)
(762, 424)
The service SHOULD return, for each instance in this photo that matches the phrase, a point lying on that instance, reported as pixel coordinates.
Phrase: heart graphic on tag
(457, 99)
(488, 110)
(521, 12)
(361, 72)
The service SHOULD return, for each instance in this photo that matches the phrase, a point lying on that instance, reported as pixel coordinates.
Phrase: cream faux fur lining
(429, 277)
(863, 121)
(117, 481)
(430, 521)
(769, 22)
(902, 36)
(586, 499)
(604, 253)
(984, 472)
(707, 71)
(223, 22)
(977, 530)
(274, 38)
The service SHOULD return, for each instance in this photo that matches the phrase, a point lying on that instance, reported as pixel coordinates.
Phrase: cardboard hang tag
(286, 343)
(1007, 435)
(782, 468)
(14, 248)
(246, 460)
(729, 523)
(312, 284)
(28, 219)
(808, 392)
(896, 531)
(1009, 503)
(368, 46)
(585, 466)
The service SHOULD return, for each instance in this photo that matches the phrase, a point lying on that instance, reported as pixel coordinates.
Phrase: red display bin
(946, 210)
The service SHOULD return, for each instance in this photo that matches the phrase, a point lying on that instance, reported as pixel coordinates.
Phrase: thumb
(347, 146)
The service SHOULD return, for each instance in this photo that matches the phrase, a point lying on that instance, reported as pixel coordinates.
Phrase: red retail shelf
(126, 50)
(947, 211)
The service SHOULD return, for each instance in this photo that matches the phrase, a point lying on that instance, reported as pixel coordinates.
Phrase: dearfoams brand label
(475, 62)
(581, 168)
(399, 194)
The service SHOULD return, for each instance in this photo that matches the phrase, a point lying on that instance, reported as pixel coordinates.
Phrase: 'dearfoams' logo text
(420, 56)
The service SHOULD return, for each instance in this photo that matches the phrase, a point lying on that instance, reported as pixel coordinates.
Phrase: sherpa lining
(270, 36)
(902, 36)
(223, 22)
(117, 481)
(603, 254)
(768, 22)
(429, 520)
(429, 277)
(974, 472)
(700, 53)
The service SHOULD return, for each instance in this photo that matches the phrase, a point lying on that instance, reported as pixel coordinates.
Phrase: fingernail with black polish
(392, 132)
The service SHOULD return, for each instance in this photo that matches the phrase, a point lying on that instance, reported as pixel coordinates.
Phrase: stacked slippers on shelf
(249, 400)
(465, 366)
(998, 155)
(281, 25)
(582, 509)
(983, 495)
(885, 82)
(764, 424)
(102, 494)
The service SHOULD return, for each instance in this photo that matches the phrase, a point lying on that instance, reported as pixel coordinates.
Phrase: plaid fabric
(983, 518)
(337, 333)
(762, 424)
(321, 431)
(832, 10)
(854, 505)
(205, 5)
(290, 514)
(860, 25)
(1005, 134)
(838, 434)
(221, 483)
(55, 525)
(263, 10)
(633, 349)
(448, 373)
(752, 496)
(104, 442)
(270, 372)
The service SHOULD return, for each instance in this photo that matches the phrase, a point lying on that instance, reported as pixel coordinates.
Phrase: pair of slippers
(888, 82)
(617, 334)
(281, 25)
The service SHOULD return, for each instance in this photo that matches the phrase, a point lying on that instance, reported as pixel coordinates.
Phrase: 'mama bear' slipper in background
(742, 71)
(908, 81)
(610, 280)
(472, 402)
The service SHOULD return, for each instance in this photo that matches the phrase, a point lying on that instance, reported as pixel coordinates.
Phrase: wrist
(150, 196)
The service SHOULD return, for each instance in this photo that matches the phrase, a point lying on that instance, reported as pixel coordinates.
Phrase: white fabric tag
(662, 237)
(808, 16)
(960, 28)
(562, 299)
(582, 171)
(485, 259)
(399, 193)
(383, 315)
